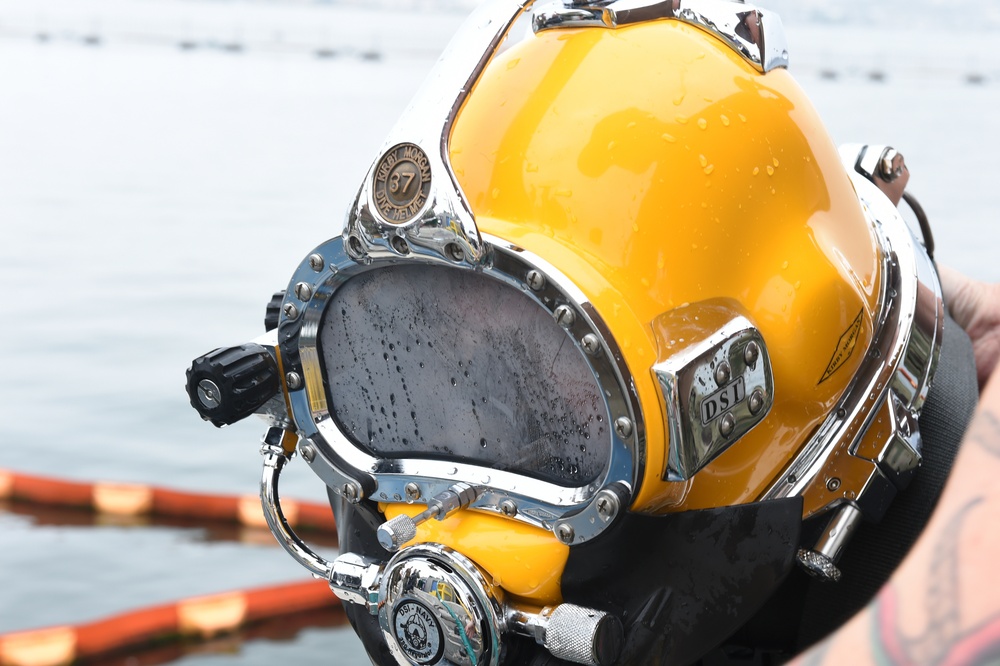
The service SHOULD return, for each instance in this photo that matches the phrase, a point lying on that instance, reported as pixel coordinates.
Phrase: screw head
(412, 491)
(508, 508)
(290, 311)
(751, 353)
(355, 247)
(727, 425)
(209, 394)
(722, 373)
(565, 533)
(303, 291)
(293, 380)
(316, 262)
(351, 492)
(307, 452)
(591, 344)
(400, 245)
(756, 402)
(623, 427)
(535, 280)
(564, 316)
(607, 505)
(833, 485)
(454, 252)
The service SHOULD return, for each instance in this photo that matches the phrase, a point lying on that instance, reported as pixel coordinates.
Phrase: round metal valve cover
(438, 609)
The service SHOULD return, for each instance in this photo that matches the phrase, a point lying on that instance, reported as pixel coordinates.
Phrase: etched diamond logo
(845, 347)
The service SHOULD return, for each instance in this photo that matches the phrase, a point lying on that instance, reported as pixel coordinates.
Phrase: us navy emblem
(402, 183)
(418, 632)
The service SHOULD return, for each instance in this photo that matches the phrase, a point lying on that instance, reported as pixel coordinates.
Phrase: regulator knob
(230, 383)
(273, 314)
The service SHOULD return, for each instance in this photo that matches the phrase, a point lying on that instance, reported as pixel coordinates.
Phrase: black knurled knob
(273, 314)
(230, 383)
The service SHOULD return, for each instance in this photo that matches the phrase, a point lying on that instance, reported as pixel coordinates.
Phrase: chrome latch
(715, 379)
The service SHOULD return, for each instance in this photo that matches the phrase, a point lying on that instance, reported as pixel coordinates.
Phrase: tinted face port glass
(436, 362)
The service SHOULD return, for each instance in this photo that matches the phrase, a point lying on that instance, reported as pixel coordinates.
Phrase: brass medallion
(402, 183)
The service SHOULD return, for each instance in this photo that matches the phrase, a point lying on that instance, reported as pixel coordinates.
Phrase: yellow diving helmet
(613, 336)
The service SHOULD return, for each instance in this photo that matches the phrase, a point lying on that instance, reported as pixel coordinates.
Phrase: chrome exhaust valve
(435, 607)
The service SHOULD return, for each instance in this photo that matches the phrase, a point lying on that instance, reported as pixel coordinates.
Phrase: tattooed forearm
(985, 432)
(942, 601)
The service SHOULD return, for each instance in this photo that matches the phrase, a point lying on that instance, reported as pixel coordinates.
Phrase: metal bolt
(565, 316)
(351, 492)
(412, 491)
(607, 505)
(889, 168)
(750, 353)
(293, 380)
(399, 244)
(756, 401)
(591, 344)
(303, 291)
(454, 252)
(308, 452)
(536, 280)
(623, 427)
(291, 311)
(727, 425)
(355, 247)
(833, 485)
(508, 508)
(722, 373)
(209, 394)
(316, 262)
(565, 533)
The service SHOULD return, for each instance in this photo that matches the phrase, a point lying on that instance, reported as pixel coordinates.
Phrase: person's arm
(975, 306)
(942, 606)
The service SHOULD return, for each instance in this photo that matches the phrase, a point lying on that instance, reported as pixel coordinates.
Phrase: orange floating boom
(126, 499)
(204, 617)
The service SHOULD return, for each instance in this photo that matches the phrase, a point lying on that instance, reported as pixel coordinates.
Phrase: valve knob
(230, 383)
(273, 314)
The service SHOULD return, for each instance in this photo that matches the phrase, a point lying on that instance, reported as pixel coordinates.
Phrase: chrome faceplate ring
(548, 505)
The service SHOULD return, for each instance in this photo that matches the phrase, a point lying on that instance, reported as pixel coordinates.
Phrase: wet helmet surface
(610, 320)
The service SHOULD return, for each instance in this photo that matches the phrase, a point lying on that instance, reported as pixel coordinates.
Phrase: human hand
(975, 306)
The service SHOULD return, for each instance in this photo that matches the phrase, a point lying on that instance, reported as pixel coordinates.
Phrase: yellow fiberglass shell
(656, 168)
(524, 560)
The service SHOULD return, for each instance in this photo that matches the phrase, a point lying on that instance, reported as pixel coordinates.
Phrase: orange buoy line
(127, 499)
(201, 617)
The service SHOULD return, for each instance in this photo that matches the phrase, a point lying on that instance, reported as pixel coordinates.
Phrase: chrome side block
(715, 381)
